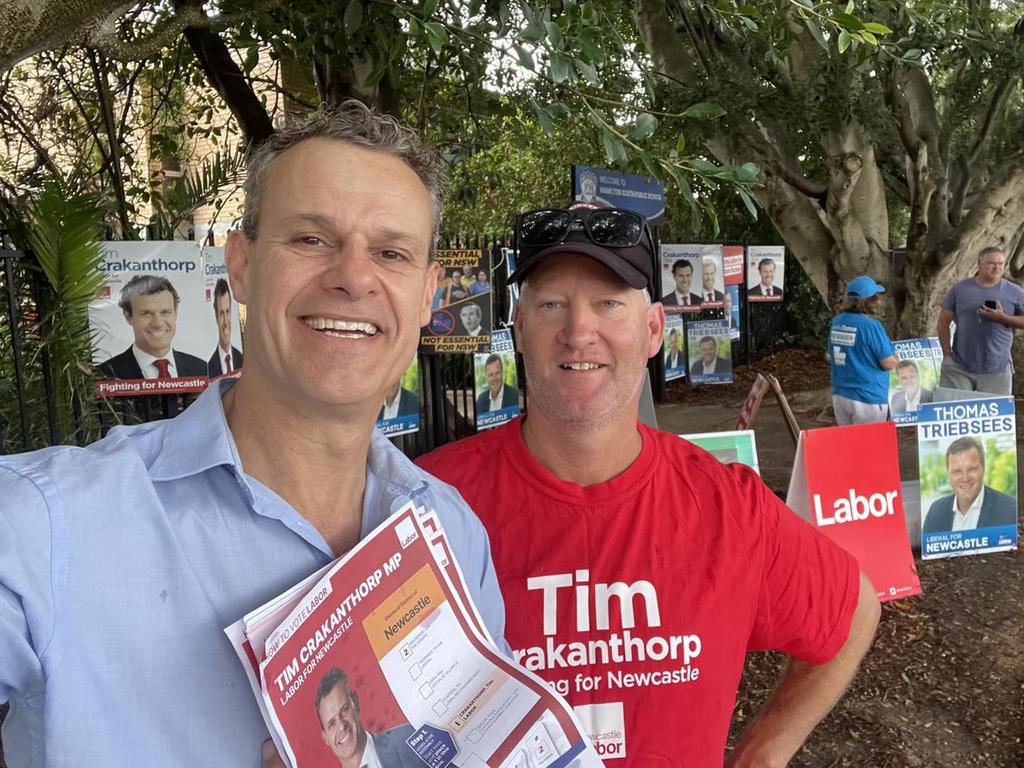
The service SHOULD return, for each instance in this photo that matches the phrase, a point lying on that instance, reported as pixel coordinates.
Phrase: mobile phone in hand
(990, 303)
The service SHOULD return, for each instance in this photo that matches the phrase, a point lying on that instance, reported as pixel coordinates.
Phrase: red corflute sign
(846, 483)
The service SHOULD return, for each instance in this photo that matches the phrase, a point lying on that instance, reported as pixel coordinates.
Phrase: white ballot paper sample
(384, 647)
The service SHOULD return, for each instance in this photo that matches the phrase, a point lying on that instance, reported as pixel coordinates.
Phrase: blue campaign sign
(434, 746)
(967, 461)
(642, 194)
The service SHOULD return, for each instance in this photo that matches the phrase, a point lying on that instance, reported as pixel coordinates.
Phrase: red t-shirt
(638, 598)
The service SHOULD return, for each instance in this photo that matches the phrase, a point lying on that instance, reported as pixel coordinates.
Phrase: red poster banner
(732, 264)
(857, 503)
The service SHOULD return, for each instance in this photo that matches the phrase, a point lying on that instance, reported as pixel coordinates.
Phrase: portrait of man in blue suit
(337, 707)
(972, 503)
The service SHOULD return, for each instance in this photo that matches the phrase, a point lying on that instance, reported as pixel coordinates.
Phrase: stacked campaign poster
(153, 332)
(674, 348)
(460, 319)
(710, 351)
(913, 381)
(857, 503)
(682, 270)
(766, 270)
(732, 273)
(383, 650)
(400, 413)
(734, 447)
(226, 359)
(967, 455)
(497, 384)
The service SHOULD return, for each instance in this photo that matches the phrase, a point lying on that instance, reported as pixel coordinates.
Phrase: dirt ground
(944, 683)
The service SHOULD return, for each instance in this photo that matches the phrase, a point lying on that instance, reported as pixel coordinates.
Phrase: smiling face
(337, 281)
(153, 319)
(684, 276)
(966, 472)
(767, 272)
(708, 351)
(909, 378)
(222, 310)
(494, 372)
(585, 336)
(341, 728)
(709, 277)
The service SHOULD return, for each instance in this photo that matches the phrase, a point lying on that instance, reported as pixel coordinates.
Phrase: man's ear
(429, 288)
(127, 316)
(237, 252)
(656, 328)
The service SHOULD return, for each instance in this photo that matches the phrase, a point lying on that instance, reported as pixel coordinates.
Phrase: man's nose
(351, 270)
(580, 327)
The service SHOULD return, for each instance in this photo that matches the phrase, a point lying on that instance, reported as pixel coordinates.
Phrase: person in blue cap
(861, 355)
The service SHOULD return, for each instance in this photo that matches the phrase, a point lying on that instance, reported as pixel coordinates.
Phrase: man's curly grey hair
(354, 123)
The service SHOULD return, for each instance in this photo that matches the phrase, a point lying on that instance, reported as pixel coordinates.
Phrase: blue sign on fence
(642, 194)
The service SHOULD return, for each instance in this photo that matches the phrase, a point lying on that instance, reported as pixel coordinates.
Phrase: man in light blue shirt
(121, 563)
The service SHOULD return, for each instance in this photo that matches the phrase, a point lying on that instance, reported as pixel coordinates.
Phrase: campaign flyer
(682, 273)
(226, 359)
(710, 351)
(766, 272)
(380, 650)
(857, 503)
(496, 382)
(735, 447)
(509, 255)
(153, 333)
(674, 348)
(967, 455)
(401, 411)
(913, 381)
(731, 310)
(460, 319)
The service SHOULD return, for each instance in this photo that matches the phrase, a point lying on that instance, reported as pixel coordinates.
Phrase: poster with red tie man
(152, 330)
(226, 359)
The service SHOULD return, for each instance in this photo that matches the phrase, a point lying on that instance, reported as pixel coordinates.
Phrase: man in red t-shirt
(637, 570)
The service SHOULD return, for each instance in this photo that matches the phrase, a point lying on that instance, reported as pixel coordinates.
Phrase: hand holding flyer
(382, 653)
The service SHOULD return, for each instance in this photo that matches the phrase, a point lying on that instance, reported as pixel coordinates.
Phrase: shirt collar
(370, 759)
(975, 505)
(146, 360)
(198, 438)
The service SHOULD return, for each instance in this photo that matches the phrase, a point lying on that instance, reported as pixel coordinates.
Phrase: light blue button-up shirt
(121, 563)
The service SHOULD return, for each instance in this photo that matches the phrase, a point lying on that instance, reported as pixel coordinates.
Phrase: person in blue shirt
(861, 356)
(122, 562)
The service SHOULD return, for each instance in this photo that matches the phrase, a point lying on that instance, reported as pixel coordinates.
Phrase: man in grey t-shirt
(986, 308)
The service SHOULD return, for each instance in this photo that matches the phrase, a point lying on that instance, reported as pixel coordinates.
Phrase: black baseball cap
(633, 263)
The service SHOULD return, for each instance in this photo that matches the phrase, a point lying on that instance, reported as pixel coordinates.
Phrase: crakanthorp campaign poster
(401, 412)
(914, 379)
(153, 332)
(674, 348)
(967, 454)
(711, 277)
(766, 270)
(460, 319)
(226, 358)
(497, 384)
(710, 351)
(682, 269)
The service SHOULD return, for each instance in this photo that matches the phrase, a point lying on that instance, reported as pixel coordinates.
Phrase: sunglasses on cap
(607, 227)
